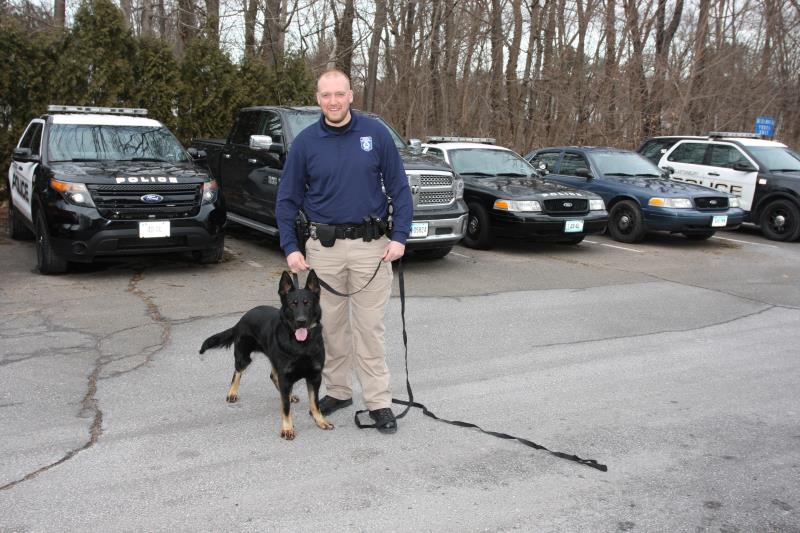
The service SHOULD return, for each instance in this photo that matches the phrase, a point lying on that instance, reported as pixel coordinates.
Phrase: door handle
(226, 156)
(252, 161)
(713, 174)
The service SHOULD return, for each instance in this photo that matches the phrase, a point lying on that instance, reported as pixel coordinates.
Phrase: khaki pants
(353, 328)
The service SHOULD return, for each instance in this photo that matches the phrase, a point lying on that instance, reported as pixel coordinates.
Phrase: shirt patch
(366, 144)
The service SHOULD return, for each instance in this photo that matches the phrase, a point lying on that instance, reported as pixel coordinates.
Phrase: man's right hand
(297, 262)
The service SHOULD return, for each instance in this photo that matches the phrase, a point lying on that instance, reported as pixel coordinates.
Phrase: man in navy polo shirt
(334, 172)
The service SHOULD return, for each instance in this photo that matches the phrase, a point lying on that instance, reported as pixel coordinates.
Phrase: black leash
(411, 403)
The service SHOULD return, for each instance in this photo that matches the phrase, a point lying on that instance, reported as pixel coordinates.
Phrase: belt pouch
(326, 235)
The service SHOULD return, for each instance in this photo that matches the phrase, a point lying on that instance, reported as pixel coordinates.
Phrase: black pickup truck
(87, 182)
(248, 165)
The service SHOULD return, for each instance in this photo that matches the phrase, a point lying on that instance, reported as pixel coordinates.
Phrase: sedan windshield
(92, 142)
(489, 162)
(776, 159)
(623, 164)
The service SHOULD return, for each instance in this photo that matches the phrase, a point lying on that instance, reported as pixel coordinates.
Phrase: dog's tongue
(301, 334)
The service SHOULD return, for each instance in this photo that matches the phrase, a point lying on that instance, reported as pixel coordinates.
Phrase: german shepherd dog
(291, 337)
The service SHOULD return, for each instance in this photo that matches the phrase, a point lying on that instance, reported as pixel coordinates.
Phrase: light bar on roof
(439, 139)
(739, 134)
(100, 110)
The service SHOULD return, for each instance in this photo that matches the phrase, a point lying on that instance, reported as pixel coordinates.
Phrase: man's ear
(286, 284)
(312, 282)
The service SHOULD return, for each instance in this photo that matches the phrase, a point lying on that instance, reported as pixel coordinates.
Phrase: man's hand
(395, 250)
(297, 262)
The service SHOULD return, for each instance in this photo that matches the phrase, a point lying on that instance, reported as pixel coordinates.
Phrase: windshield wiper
(157, 159)
(619, 174)
(784, 170)
(476, 173)
(513, 174)
(650, 175)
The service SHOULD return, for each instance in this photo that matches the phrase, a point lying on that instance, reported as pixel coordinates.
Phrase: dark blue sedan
(638, 195)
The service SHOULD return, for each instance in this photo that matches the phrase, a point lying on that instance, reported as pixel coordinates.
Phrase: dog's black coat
(291, 337)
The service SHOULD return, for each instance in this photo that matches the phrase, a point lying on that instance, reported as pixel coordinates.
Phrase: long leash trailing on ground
(411, 403)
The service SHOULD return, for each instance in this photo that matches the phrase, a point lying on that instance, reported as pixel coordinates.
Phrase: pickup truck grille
(566, 206)
(124, 201)
(431, 188)
(711, 202)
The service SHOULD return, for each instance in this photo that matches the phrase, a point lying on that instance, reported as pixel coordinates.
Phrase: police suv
(764, 174)
(91, 181)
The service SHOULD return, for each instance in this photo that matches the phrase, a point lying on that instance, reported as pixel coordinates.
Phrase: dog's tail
(223, 339)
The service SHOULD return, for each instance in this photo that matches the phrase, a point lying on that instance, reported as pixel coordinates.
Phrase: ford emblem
(567, 204)
(713, 202)
(152, 198)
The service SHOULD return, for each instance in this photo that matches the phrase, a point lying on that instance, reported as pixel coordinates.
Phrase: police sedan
(639, 196)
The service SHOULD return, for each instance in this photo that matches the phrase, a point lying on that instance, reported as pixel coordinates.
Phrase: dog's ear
(312, 282)
(286, 284)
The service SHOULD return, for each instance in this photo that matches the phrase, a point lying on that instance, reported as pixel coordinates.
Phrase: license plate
(419, 229)
(719, 221)
(153, 228)
(573, 226)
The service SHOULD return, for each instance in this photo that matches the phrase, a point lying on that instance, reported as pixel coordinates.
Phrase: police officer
(334, 172)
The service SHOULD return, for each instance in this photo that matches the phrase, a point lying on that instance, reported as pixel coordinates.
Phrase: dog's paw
(287, 434)
(293, 398)
(324, 424)
(232, 398)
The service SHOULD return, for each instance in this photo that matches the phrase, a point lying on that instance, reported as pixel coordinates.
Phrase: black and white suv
(764, 174)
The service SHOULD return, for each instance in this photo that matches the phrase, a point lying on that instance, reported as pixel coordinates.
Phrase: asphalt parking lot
(673, 362)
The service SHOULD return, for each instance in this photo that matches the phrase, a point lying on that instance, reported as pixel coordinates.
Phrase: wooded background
(530, 73)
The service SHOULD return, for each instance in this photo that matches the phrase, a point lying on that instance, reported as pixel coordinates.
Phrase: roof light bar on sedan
(99, 110)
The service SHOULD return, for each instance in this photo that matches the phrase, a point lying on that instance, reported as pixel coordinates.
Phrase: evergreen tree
(94, 66)
(206, 96)
(292, 83)
(156, 76)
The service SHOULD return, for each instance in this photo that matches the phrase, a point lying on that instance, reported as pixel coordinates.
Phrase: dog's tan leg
(233, 392)
(287, 428)
(314, 408)
(274, 378)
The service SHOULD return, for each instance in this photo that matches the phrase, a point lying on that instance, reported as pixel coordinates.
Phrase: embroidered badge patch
(366, 144)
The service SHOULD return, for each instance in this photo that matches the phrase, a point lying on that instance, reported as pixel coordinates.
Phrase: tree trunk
(273, 36)
(496, 103)
(512, 80)
(212, 21)
(250, 15)
(434, 70)
(344, 38)
(374, 50)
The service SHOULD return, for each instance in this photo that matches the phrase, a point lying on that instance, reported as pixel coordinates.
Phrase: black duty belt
(344, 231)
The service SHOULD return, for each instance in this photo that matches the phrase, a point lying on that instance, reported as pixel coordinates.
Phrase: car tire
(16, 229)
(573, 240)
(780, 220)
(212, 255)
(47, 261)
(433, 253)
(625, 222)
(479, 233)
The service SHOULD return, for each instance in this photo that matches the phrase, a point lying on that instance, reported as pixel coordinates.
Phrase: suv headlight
(734, 202)
(597, 205)
(73, 193)
(210, 191)
(518, 205)
(674, 203)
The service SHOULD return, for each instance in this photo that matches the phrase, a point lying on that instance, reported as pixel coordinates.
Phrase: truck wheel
(212, 255)
(16, 229)
(625, 222)
(780, 220)
(699, 236)
(433, 253)
(47, 262)
(479, 234)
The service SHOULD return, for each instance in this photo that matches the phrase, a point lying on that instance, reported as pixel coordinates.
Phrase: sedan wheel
(626, 223)
(479, 234)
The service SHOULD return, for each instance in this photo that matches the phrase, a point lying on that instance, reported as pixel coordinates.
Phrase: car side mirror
(583, 172)
(669, 170)
(415, 144)
(24, 155)
(543, 168)
(197, 155)
(265, 142)
(744, 167)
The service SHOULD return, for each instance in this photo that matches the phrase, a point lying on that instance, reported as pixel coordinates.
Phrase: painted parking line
(460, 255)
(615, 246)
(744, 242)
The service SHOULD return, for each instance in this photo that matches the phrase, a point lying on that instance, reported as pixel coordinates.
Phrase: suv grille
(711, 202)
(124, 201)
(435, 181)
(566, 206)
